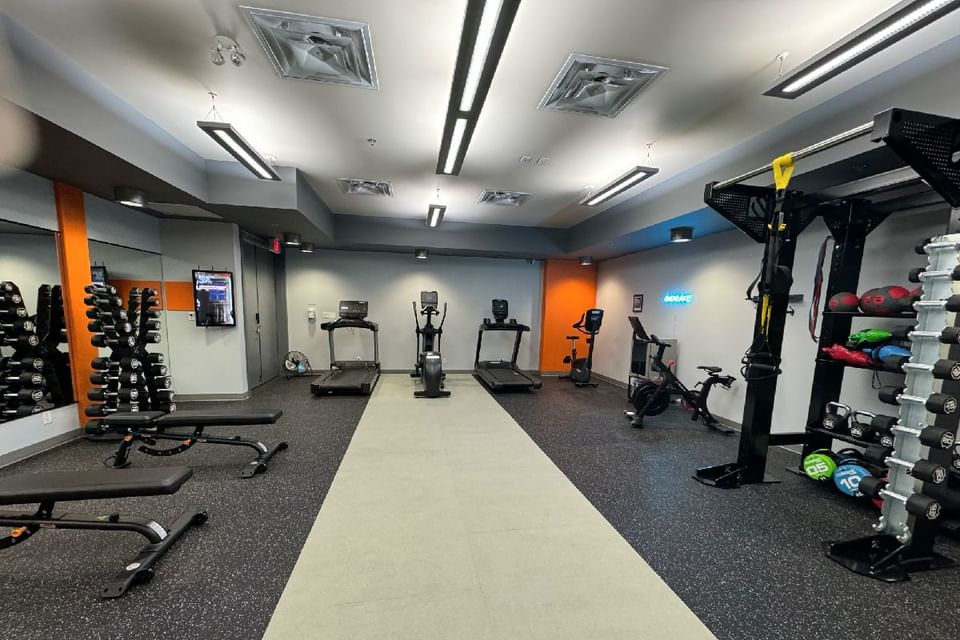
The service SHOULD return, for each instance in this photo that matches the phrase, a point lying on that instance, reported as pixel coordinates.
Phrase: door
(260, 314)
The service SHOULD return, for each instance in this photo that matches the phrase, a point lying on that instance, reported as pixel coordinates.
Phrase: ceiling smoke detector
(311, 48)
(598, 86)
(360, 187)
(503, 198)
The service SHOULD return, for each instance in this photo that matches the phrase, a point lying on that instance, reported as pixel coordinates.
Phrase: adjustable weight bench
(186, 428)
(63, 486)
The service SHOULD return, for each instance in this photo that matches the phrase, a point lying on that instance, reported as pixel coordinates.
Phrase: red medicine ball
(843, 301)
(884, 300)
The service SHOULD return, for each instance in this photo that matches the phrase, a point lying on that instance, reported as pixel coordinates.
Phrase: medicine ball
(884, 300)
(843, 301)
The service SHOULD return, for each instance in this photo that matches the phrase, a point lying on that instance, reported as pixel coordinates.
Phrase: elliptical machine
(581, 369)
(652, 397)
(429, 364)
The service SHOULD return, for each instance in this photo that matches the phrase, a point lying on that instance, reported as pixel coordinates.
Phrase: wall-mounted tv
(98, 274)
(213, 298)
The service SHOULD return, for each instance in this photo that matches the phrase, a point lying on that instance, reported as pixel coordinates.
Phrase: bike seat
(573, 337)
(710, 369)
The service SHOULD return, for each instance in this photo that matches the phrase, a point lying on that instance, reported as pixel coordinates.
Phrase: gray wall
(717, 327)
(390, 282)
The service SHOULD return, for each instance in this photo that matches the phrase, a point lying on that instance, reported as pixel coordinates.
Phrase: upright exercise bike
(429, 365)
(581, 369)
(652, 397)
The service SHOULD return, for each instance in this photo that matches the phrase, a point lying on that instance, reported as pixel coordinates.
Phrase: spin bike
(582, 368)
(429, 364)
(652, 397)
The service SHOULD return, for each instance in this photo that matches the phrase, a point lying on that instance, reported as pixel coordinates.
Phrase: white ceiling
(154, 55)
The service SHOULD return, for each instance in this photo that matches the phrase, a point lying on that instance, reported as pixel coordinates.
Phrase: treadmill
(350, 376)
(501, 375)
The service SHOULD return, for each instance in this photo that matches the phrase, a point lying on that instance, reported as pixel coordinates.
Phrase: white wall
(27, 199)
(204, 361)
(717, 327)
(29, 260)
(390, 282)
(114, 223)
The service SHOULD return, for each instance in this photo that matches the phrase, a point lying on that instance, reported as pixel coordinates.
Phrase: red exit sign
(274, 245)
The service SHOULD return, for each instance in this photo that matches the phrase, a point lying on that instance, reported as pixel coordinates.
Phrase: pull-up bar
(817, 147)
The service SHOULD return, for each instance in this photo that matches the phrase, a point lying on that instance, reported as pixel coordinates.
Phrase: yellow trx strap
(783, 171)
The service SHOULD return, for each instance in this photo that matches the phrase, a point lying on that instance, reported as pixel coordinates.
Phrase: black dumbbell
(151, 315)
(917, 504)
(97, 287)
(22, 340)
(101, 395)
(155, 358)
(835, 417)
(129, 378)
(151, 325)
(123, 328)
(31, 379)
(14, 299)
(920, 274)
(18, 325)
(22, 364)
(8, 313)
(950, 304)
(158, 370)
(101, 410)
(939, 403)
(930, 435)
(101, 340)
(151, 337)
(20, 412)
(23, 395)
(925, 470)
(110, 316)
(160, 382)
(941, 369)
(7, 285)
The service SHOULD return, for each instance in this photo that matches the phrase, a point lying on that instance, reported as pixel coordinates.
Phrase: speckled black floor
(749, 562)
(221, 580)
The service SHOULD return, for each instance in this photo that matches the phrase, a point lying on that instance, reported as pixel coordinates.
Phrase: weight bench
(63, 486)
(151, 427)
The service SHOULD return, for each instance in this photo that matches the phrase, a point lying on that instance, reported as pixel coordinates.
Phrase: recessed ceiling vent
(358, 187)
(319, 49)
(503, 198)
(598, 86)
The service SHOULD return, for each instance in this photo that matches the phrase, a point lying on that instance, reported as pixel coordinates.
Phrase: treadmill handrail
(351, 323)
(503, 326)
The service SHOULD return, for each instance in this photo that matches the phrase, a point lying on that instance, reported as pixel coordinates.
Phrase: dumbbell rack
(905, 542)
(35, 373)
(130, 378)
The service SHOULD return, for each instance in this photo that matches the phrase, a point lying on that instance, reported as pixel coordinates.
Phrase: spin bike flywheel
(642, 394)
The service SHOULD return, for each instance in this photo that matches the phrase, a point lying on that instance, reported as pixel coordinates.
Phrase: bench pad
(60, 486)
(202, 419)
(135, 419)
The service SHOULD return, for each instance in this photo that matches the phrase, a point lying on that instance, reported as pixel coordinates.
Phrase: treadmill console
(500, 310)
(429, 299)
(353, 309)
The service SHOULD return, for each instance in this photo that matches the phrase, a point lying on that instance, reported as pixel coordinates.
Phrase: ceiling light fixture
(420, 254)
(486, 25)
(681, 234)
(292, 239)
(306, 247)
(435, 214)
(227, 137)
(586, 261)
(886, 29)
(130, 197)
(627, 181)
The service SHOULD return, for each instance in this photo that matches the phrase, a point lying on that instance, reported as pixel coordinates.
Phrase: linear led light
(130, 197)
(873, 37)
(420, 254)
(227, 137)
(486, 26)
(435, 214)
(627, 181)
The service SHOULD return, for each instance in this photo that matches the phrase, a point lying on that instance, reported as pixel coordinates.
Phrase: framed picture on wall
(637, 302)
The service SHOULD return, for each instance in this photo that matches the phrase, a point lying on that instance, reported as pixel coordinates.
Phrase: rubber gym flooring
(221, 580)
(748, 562)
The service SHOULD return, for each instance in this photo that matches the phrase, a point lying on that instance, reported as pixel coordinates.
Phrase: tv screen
(98, 274)
(213, 298)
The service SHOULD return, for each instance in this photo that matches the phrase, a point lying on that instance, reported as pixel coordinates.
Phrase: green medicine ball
(820, 465)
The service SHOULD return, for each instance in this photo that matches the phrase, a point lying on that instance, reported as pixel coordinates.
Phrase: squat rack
(916, 166)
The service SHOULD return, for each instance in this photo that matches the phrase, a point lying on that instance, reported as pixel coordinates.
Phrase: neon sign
(677, 298)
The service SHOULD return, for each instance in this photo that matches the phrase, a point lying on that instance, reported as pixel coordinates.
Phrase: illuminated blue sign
(677, 298)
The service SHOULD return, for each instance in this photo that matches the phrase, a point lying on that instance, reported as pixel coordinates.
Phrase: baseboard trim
(40, 447)
(212, 397)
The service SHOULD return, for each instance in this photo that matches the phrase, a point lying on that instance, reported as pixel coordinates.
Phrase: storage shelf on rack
(910, 315)
(850, 365)
(840, 436)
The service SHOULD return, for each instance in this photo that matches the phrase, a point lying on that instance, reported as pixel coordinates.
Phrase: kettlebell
(860, 430)
(835, 417)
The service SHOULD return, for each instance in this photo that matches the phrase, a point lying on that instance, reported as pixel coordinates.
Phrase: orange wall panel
(74, 254)
(569, 289)
(179, 295)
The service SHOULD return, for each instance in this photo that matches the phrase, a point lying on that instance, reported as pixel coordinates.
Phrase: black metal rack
(912, 169)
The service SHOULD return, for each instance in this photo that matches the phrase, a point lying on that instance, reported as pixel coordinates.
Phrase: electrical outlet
(444, 362)
(47, 417)
(190, 316)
